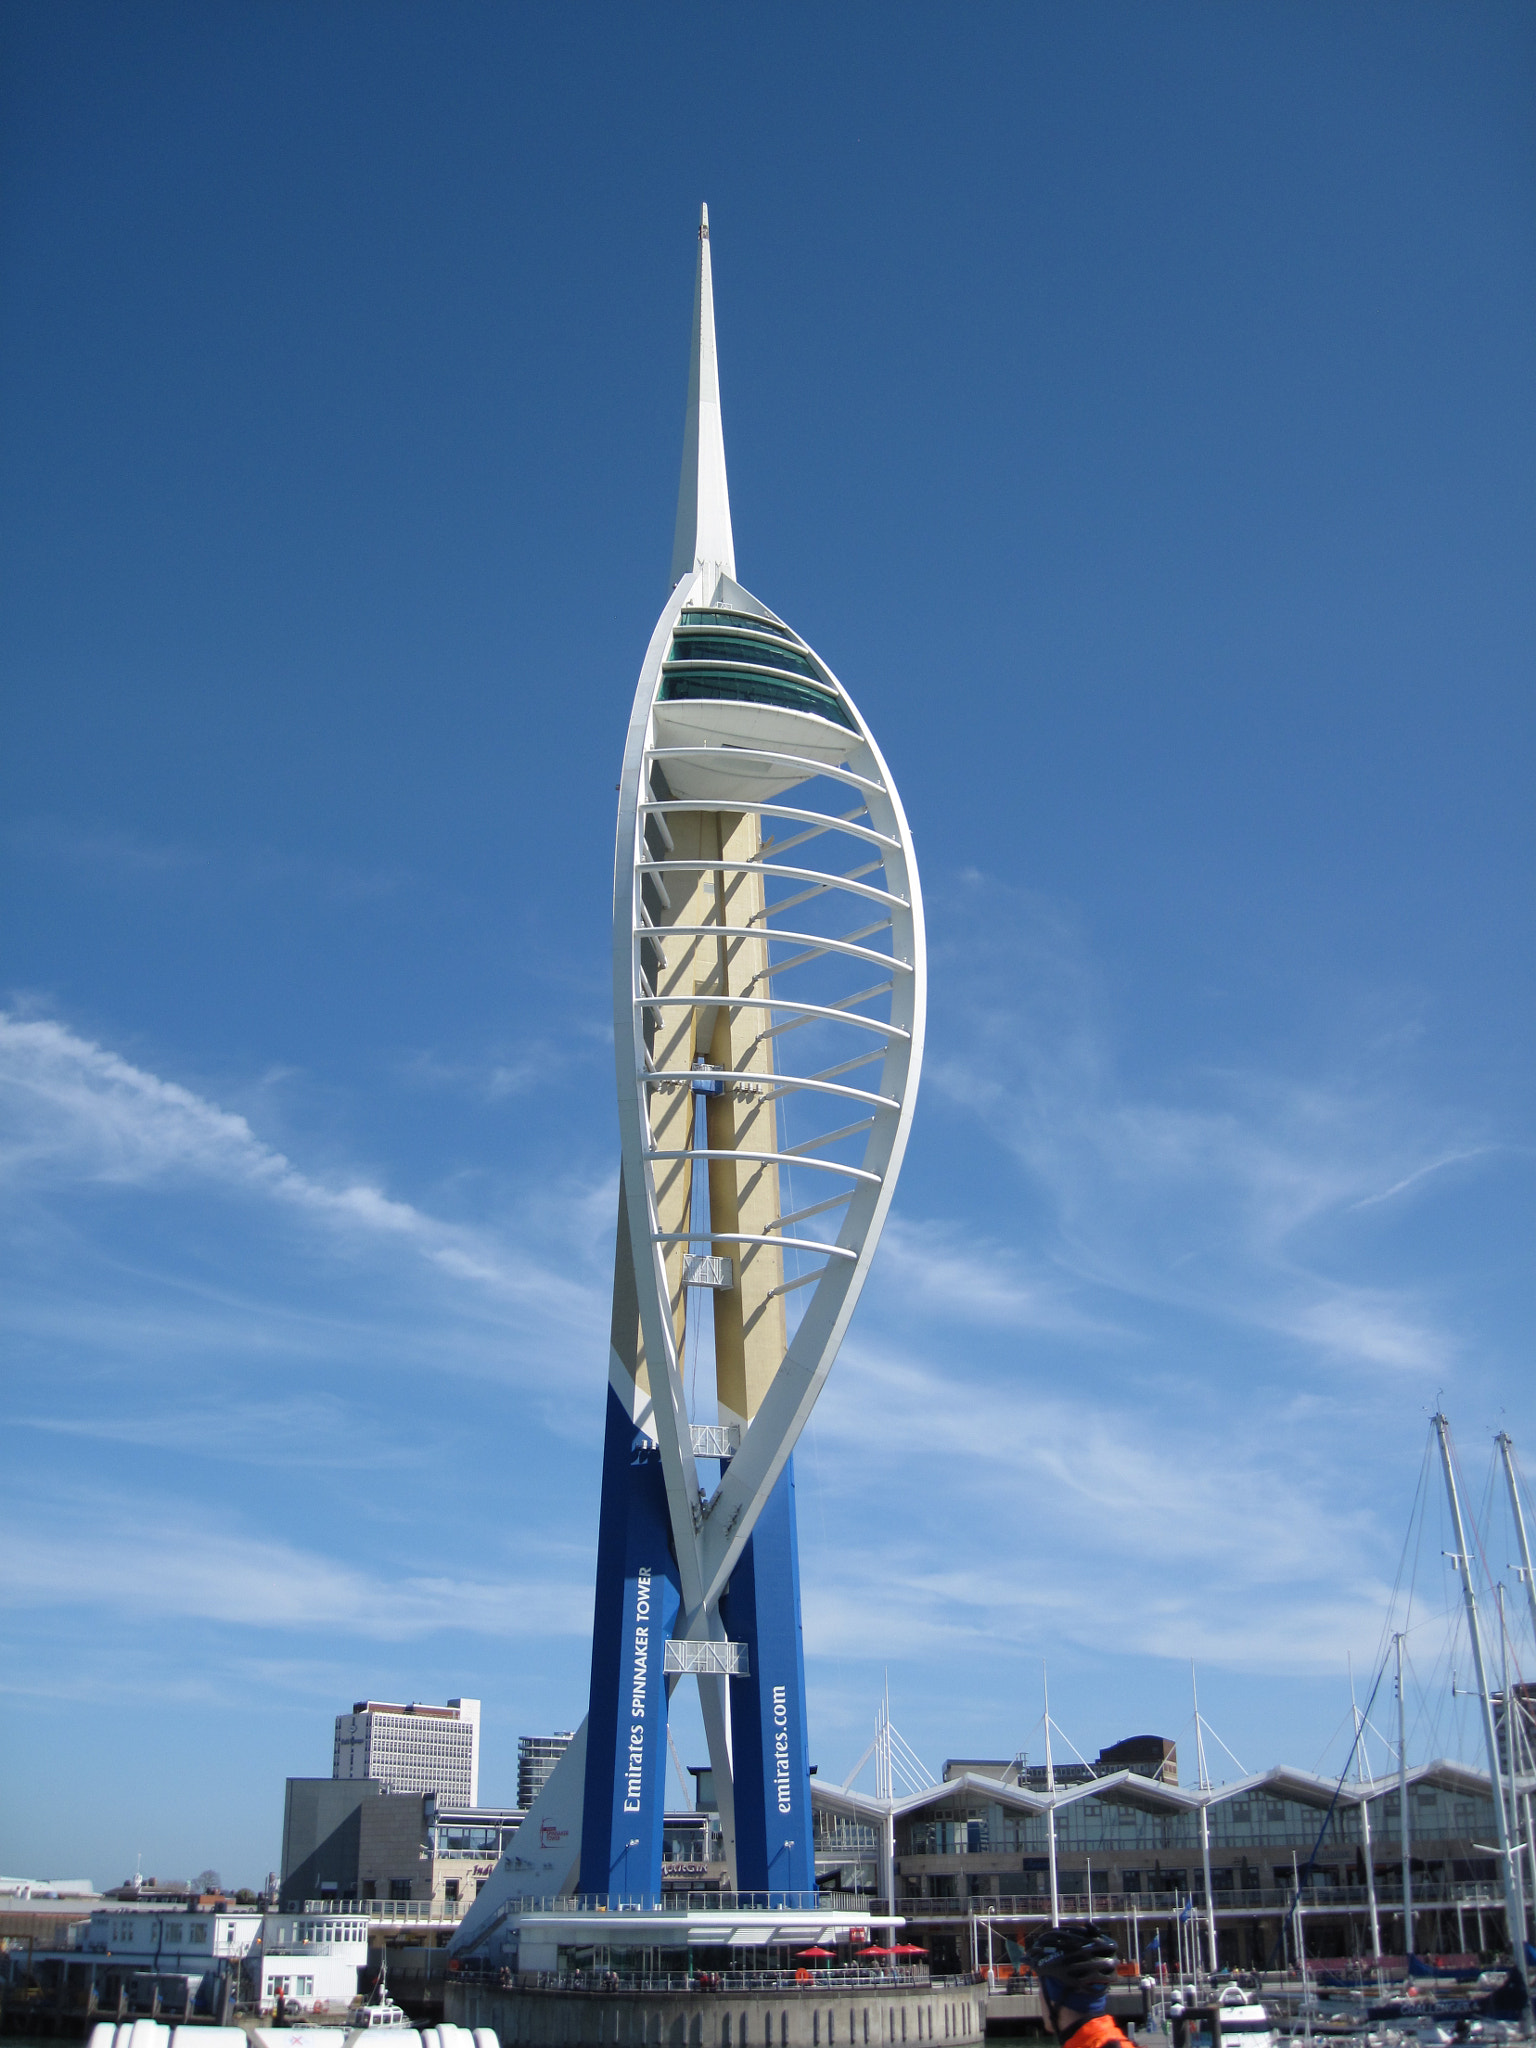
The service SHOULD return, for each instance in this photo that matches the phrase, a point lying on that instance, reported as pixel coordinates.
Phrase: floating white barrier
(300, 2037)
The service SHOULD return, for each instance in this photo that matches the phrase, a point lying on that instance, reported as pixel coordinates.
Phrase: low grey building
(351, 1839)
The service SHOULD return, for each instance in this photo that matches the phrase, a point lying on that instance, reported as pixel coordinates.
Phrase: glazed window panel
(724, 647)
(745, 686)
(700, 615)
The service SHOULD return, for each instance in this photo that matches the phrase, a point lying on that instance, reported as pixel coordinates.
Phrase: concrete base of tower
(883, 2012)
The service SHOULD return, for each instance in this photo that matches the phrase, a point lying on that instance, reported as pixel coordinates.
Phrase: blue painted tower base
(633, 1618)
(770, 1762)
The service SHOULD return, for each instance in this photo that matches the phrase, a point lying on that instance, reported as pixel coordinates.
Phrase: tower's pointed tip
(703, 532)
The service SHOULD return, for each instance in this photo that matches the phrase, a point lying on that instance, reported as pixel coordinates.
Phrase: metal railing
(388, 1909)
(815, 1981)
(1153, 1905)
(845, 1903)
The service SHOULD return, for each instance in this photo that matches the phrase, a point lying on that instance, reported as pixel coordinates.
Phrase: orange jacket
(1102, 2032)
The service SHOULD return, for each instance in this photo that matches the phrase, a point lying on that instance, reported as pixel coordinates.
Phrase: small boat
(1236, 2015)
(381, 2011)
(1500, 1995)
(1241, 2015)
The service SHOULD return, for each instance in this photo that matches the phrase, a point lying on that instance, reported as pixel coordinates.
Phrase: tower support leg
(775, 1851)
(633, 1617)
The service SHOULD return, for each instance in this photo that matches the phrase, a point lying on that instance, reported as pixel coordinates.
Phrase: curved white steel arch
(710, 1527)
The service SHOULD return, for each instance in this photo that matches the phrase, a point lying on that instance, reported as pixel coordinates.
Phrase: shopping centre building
(980, 1850)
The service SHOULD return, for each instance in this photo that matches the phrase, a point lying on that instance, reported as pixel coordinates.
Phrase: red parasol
(815, 1951)
(873, 1951)
(908, 1948)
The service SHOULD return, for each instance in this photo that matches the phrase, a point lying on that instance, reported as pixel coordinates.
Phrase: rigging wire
(1333, 1736)
(1304, 1872)
(1242, 1769)
(1522, 1607)
(1397, 1583)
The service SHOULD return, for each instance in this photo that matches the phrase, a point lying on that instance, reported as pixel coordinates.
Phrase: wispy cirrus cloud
(75, 1114)
(315, 1430)
(1120, 1390)
(138, 1558)
(110, 857)
(1230, 1200)
(1024, 1514)
(941, 1269)
(103, 851)
(508, 1072)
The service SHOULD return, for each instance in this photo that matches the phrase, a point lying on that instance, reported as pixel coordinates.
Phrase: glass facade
(720, 657)
(1259, 1821)
(747, 622)
(746, 686)
(455, 1839)
(737, 647)
(1087, 1826)
(840, 1831)
(1259, 1841)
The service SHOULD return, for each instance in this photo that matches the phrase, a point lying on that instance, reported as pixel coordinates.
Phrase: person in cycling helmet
(1075, 1963)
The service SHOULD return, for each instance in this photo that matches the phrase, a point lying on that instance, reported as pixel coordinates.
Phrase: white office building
(537, 1756)
(169, 1941)
(311, 1960)
(412, 1748)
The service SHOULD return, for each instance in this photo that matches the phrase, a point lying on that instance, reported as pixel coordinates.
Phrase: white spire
(703, 497)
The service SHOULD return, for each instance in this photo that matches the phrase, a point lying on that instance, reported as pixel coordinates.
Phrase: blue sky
(1135, 407)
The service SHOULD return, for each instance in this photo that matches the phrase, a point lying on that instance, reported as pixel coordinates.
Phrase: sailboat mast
(1511, 1752)
(1528, 1580)
(1362, 1776)
(1402, 1800)
(1517, 1509)
(1513, 1919)
(1205, 1825)
(1050, 1793)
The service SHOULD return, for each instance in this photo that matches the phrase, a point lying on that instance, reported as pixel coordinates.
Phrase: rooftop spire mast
(703, 534)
